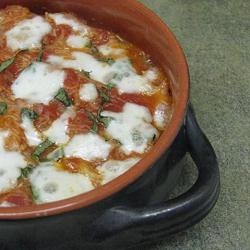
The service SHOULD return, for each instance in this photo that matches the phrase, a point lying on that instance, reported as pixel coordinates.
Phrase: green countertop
(215, 36)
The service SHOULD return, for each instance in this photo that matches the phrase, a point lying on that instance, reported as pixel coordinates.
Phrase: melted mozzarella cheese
(66, 19)
(76, 41)
(31, 134)
(121, 73)
(27, 34)
(39, 83)
(132, 127)
(107, 50)
(161, 115)
(58, 130)
(49, 184)
(88, 92)
(11, 163)
(88, 146)
(124, 76)
(112, 168)
(82, 61)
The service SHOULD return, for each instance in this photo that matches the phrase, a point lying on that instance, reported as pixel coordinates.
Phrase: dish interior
(112, 119)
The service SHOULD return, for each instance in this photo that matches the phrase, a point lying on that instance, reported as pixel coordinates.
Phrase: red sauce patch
(80, 123)
(47, 114)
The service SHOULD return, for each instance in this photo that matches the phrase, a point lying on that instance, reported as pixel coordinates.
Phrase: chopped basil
(104, 95)
(94, 128)
(86, 73)
(40, 55)
(91, 116)
(3, 108)
(99, 120)
(4, 65)
(31, 114)
(94, 119)
(26, 171)
(63, 97)
(41, 148)
(107, 60)
(35, 193)
(89, 44)
(105, 120)
(110, 85)
(92, 47)
(105, 92)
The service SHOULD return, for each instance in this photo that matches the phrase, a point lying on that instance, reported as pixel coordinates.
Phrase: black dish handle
(173, 215)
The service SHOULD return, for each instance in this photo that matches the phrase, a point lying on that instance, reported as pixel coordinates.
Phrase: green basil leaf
(3, 108)
(89, 44)
(86, 73)
(35, 193)
(92, 47)
(94, 128)
(104, 95)
(110, 85)
(63, 97)
(94, 119)
(31, 114)
(105, 120)
(41, 148)
(26, 171)
(40, 55)
(107, 60)
(4, 65)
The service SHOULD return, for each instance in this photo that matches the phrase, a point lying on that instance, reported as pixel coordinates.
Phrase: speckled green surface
(215, 36)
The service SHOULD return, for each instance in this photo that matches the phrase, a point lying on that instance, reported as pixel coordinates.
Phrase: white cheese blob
(121, 73)
(39, 83)
(77, 42)
(88, 146)
(161, 115)
(107, 50)
(58, 130)
(113, 168)
(88, 92)
(50, 184)
(11, 163)
(27, 34)
(82, 61)
(72, 22)
(31, 134)
(132, 127)
(124, 76)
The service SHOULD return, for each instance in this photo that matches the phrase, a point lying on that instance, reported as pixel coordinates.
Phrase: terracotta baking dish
(133, 207)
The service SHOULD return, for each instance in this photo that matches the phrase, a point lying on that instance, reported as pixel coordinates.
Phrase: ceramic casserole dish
(133, 208)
